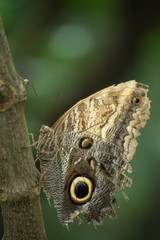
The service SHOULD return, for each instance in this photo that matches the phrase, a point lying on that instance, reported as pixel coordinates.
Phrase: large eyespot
(81, 189)
(136, 100)
(85, 143)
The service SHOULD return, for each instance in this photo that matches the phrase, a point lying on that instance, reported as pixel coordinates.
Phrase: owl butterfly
(85, 154)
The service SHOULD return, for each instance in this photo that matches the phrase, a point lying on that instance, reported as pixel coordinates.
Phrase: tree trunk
(19, 178)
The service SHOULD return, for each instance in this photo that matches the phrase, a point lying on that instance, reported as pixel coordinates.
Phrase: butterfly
(85, 155)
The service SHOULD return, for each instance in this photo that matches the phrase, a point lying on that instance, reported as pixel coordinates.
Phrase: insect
(85, 155)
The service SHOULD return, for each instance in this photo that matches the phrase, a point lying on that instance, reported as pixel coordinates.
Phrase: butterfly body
(85, 154)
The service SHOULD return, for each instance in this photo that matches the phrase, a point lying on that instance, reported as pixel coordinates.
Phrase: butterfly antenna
(42, 107)
(53, 110)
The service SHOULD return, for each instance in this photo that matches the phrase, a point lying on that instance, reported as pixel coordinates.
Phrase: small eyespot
(136, 100)
(85, 143)
(81, 190)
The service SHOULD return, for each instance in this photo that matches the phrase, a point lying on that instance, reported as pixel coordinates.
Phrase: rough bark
(19, 179)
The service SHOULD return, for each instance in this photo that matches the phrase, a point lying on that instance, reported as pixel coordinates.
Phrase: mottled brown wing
(94, 140)
(111, 114)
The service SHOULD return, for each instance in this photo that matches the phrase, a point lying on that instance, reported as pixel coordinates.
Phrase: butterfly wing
(110, 114)
(94, 140)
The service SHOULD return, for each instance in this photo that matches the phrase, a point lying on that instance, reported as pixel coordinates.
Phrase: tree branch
(19, 179)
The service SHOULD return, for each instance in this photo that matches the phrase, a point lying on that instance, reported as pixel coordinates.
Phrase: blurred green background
(76, 48)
